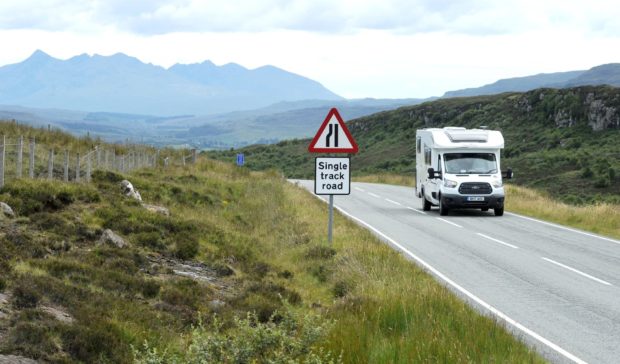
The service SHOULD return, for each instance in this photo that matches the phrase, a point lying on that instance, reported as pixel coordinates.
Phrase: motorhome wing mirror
(433, 174)
(508, 173)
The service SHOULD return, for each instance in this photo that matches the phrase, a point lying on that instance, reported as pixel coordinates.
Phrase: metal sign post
(330, 223)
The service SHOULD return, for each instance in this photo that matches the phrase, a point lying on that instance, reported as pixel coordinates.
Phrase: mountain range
(606, 74)
(123, 84)
(119, 97)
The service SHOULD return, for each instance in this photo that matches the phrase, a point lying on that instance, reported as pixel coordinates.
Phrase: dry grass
(387, 178)
(601, 218)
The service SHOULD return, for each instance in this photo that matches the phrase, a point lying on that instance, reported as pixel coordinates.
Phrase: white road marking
(565, 228)
(416, 210)
(577, 271)
(473, 297)
(449, 222)
(360, 189)
(394, 202)
(373, 195)
(498, 241)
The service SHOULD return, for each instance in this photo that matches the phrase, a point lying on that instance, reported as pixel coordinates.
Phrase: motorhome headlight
(448, 183)
(497, 183)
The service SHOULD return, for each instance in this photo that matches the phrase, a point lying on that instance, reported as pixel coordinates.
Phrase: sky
(356, 48)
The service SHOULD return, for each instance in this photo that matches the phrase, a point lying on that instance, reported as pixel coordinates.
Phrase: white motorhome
(460, 168)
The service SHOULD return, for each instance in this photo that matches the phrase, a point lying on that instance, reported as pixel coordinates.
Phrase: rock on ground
(129, 190)
(111, 238)
(157, 209)
(13, 359)
(6, 210)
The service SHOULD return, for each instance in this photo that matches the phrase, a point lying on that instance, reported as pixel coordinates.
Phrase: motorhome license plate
(475, 198)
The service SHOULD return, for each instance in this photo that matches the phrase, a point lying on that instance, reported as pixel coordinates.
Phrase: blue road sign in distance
(240, 159)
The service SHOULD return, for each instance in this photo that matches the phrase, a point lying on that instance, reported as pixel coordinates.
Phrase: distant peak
(39, 54)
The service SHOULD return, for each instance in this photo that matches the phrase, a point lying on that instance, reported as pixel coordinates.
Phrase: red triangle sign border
(312, 147)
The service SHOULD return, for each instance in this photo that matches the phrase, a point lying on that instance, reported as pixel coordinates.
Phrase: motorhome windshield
(466, 163)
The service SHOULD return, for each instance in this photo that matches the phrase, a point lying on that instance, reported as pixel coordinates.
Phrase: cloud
(152, 17)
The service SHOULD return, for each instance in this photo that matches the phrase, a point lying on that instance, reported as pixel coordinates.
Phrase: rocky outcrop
(564, 119)
(109, 237)
(130, 191)
(600, 116)
(6, 210)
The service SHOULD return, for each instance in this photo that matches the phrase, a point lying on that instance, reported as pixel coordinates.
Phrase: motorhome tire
(443, 209)
(427, 204)
(499, 211)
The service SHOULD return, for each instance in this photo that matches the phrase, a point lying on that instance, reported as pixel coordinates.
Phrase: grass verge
(387, 178)
(603, 218)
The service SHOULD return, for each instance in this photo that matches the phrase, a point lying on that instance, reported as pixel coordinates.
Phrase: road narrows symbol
(332, 131)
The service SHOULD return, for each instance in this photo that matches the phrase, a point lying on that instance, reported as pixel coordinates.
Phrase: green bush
(290, 339)
(28, 197)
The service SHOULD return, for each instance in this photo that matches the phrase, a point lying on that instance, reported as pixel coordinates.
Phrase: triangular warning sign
(333, 136)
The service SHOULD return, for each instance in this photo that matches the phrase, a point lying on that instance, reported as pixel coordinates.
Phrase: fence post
(114, 163)
(98, 161)
(194, 155)
(50, 165)
(166, 162)
(20, 153)
(105, 159)
(123, 164)
(88, 165)
(2, 155)
(77, 168)
(66, 167)
(156, 158)
(31, 165)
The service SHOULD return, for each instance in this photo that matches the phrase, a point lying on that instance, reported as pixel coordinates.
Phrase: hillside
(238, 271)
(563, 141)
(123, 84)
(606, 74)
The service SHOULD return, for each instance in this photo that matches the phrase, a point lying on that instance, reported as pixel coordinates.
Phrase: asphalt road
(556, 288)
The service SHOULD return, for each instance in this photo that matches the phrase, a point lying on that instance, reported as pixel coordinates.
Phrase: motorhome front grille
(475, 188)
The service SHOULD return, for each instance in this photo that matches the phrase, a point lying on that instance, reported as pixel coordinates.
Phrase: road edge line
(464, 291)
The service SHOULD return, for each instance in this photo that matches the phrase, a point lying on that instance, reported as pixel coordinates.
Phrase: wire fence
(28, 159)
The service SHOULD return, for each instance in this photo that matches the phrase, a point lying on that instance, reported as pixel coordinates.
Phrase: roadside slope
(236, 242)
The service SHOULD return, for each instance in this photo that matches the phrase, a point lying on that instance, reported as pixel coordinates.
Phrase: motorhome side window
(427, 155)
(418, 145)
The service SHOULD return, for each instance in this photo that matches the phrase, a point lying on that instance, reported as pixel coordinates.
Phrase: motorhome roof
(456, 137)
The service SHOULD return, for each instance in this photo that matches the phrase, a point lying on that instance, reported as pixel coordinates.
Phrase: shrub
(25, 295)
(28, 197)
(320, 252)
(150, 288)
(290, 339)
(186, 247)
(341, 289)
